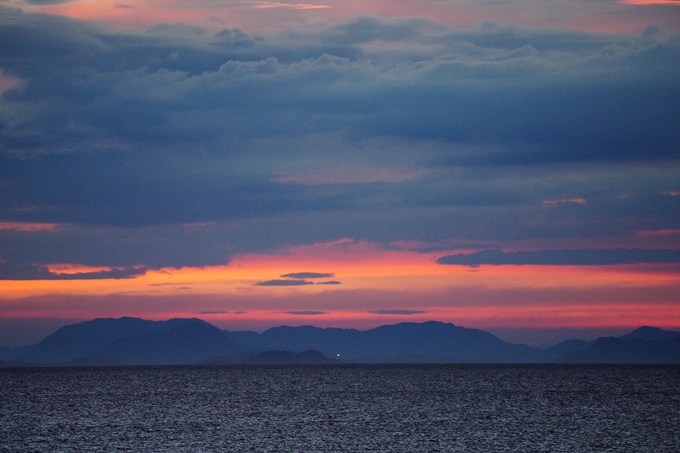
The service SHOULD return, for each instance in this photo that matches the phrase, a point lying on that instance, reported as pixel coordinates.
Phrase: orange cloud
(75, 269)
(357, 265)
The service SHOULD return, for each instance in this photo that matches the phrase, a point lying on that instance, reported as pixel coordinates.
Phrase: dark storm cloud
(306, 275)
(582, 257)
(136, 139)
(284, 283)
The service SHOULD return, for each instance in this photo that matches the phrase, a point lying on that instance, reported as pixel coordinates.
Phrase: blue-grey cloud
(284, 283)
(119, 135)
(397, 312)
(47, 2)
(306, 275)
(21, 271)
(160, 246)
(330, 282)
(495, 86)
(443, 248)
(306, 312)
(578, 257)
(233, 38)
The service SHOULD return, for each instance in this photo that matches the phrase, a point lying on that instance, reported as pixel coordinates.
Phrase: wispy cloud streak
(256, 5)
(582, 257)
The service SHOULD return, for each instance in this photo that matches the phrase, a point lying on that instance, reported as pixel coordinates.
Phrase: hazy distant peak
(650, 333)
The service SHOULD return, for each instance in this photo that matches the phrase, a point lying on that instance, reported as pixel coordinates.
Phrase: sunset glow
(340, 163)
(371, 287)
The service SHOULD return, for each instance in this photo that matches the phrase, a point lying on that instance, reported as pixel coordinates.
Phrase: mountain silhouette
(432, 341)
(77, 341)
(636, 350)
(132, 341)
(12, 353)
(188, 343)
(650, 334)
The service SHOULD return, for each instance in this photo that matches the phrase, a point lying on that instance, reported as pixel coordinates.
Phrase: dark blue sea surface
(355, 408)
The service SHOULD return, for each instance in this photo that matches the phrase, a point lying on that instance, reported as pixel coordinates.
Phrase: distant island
(132, 341)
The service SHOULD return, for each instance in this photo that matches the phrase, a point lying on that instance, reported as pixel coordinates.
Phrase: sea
(341, 408)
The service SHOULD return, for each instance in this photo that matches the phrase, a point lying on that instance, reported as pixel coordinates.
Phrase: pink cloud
(565, 200)
(659, 232)
(26, 226)
(651, 2)
(265, 5)
(633, 16)
(7, 81)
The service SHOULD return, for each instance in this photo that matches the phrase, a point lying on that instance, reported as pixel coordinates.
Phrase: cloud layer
(180, 146)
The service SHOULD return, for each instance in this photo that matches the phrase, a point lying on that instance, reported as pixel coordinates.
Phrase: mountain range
(131, 341)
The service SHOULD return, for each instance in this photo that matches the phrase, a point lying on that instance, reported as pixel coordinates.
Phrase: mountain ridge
(434, 339)
(185, 341)
(78, 340)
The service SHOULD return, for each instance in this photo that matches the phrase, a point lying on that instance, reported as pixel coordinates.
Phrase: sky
(508, 165)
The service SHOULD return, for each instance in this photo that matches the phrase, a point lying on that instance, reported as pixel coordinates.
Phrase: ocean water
(353, 408)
